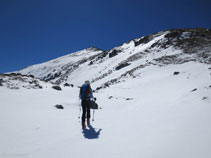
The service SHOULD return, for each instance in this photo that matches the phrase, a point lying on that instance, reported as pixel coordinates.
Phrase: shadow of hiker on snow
(91, 133)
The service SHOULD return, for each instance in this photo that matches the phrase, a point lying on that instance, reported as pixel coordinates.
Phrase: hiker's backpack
(85, 91)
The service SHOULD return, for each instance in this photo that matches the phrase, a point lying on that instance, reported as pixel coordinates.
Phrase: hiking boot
(83, 125)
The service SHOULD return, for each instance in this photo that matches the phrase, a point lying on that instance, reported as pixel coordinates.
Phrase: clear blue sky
(35, 31)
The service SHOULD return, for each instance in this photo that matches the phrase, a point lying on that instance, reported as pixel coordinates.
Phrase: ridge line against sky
(35, 31)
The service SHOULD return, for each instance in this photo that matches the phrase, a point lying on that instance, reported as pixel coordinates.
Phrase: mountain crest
(105, 68)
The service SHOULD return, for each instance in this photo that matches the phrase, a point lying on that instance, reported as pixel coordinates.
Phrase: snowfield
(158, 114)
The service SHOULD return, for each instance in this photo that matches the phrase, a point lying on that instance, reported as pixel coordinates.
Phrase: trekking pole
(93, 115)
(79, 116)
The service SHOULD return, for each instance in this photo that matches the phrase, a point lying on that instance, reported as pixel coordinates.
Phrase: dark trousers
(85, 109)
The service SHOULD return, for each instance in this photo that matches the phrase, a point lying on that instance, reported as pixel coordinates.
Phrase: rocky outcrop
(17, 81)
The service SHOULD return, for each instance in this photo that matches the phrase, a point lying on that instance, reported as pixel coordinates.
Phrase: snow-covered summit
(58, 69)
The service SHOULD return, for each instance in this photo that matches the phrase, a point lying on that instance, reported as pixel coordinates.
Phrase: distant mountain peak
(92, 48)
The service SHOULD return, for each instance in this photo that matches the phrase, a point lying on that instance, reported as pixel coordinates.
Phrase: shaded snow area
(162, 113)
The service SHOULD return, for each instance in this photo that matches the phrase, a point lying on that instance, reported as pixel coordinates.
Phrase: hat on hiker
(87, 82)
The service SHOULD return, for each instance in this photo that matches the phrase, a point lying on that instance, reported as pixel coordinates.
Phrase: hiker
(85, 96)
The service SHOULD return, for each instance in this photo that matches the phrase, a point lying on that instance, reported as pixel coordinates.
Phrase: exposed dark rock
(102, 76)
(91, 63)
(52, 76)
(92, 48)
(102, 55)
(113, 53)
(1, 82)
(176, 73)
(108, 83)
(40, 87)
(57, 88)
(160, 44)
(67, 85)
(14, 74)
(98, 88)
(35, 83)
(31, 76)
(195, 89)
(135, 57)
(122, 66)
(56, 75)
(172, 59)
(204, 98)
(59, 106)
(143, 40)
(110, 97)
(173, 34)
(129, 98)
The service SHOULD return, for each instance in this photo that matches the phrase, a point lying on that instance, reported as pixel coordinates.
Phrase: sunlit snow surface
(154, 115)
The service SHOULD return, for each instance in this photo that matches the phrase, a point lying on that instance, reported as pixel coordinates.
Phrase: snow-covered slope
(57, 70)
(154, 95)
(161, 114)
(108, 67)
